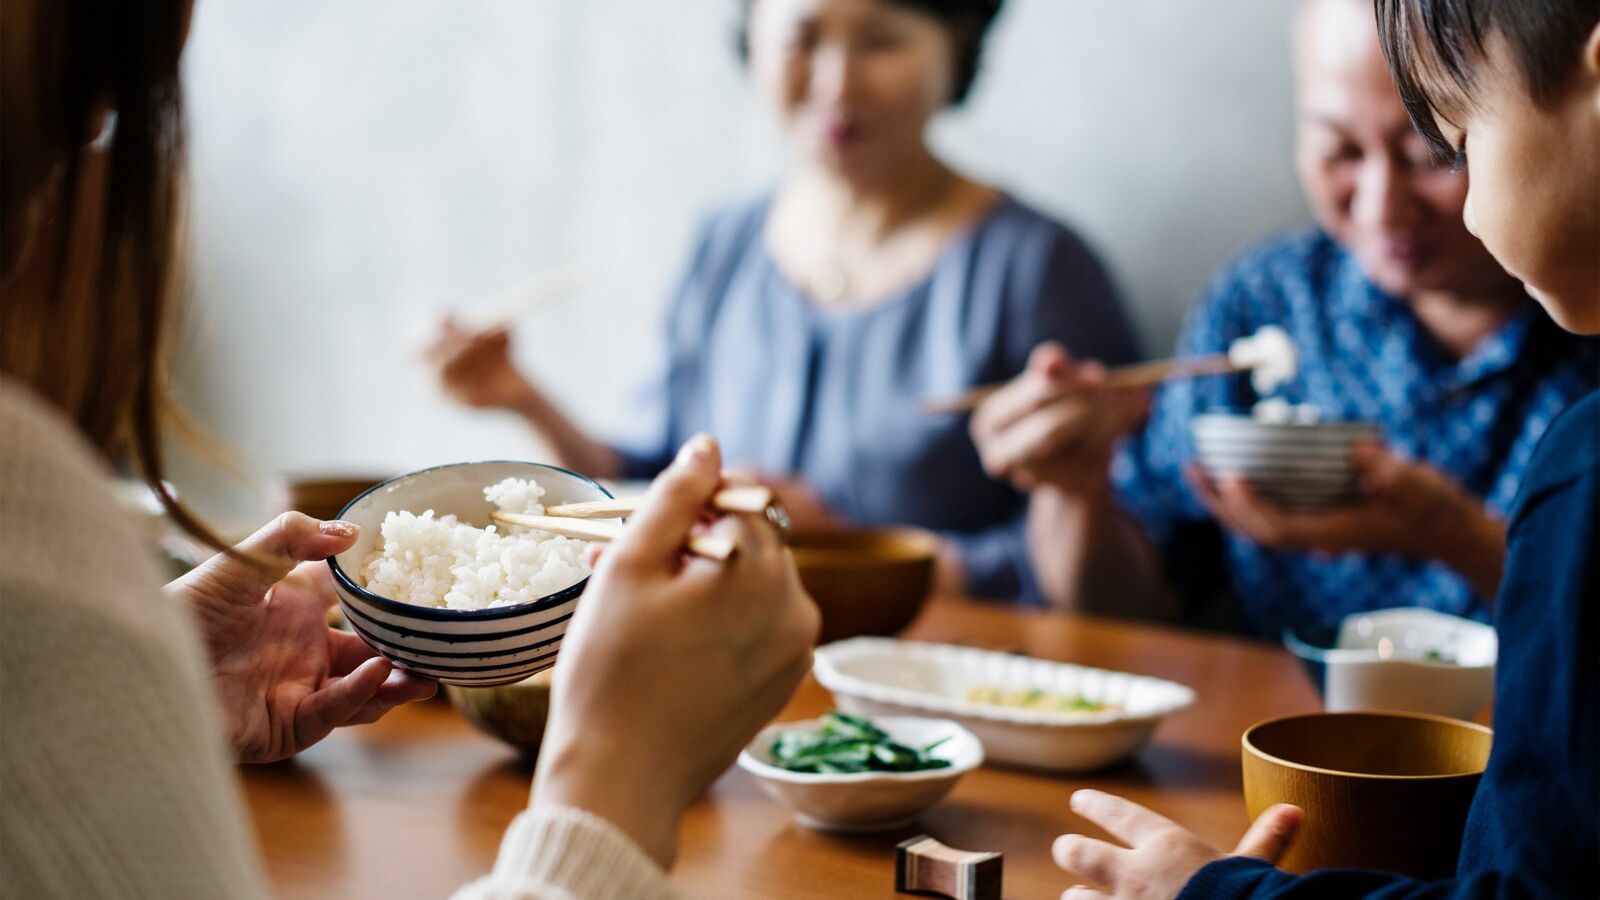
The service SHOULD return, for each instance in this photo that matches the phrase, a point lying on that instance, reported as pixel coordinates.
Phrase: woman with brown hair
(112, 696)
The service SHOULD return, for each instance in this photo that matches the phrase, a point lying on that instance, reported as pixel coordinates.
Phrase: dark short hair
(1434, 48)
(967, 22)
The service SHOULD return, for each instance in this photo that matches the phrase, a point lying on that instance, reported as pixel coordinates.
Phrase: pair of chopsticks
(506, 307)
(1135, 376)
(580, 520)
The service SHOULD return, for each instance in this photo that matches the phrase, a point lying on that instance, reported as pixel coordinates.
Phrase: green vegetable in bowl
(847, 744)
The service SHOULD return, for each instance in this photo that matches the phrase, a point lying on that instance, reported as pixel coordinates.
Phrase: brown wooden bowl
(1380, 790)
(514, 713)
(322, 497)
(866, 581)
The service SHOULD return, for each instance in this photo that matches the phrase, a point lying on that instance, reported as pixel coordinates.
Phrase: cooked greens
(847, 744)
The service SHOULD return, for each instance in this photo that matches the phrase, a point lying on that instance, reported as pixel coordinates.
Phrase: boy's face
(1534, 174)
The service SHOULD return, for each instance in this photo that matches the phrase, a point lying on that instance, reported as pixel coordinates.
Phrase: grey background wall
(360, 165)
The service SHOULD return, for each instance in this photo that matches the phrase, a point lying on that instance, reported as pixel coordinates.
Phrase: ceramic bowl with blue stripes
(471, 648)
(1295, 465)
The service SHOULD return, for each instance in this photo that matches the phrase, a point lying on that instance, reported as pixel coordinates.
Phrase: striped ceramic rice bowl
(461, 646)
(1295, 465)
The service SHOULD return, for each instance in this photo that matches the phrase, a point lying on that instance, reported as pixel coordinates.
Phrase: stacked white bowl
(1296, 465)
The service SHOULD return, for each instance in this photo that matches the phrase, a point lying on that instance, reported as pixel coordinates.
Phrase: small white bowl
(1379, 661)
(471, 648)
(1291, 464)
(882, 676)
(866, 801)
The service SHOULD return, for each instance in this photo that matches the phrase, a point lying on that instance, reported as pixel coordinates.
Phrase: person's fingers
(1093, 860)
(276, 549)
(1082, 892)
(1049, 372)
(1059, 432)
(1378, 470)
(1255, 518)
(656, 533)
(439, 344)
(1205, 490)
(316, 579)
(294, 537)
(1051, 360)
(1270, 834)
(337, 701)
(346, 651)
(1122, 819)
(592, 554)
(758, 553)
(402, 687)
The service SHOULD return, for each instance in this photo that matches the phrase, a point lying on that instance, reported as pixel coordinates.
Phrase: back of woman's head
(91, 163)
(89, 222)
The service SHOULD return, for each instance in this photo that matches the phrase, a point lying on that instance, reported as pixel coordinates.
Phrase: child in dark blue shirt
(1523, 80)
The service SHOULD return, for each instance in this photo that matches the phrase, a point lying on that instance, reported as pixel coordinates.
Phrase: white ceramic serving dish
(471, 648)
(884, 676)
(1380, 661)
(1292, 464)
(866, 801)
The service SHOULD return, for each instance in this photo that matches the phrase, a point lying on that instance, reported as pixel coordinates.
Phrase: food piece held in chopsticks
(1269, 355)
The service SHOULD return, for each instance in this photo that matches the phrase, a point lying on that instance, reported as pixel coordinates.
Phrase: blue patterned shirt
(1363, 356)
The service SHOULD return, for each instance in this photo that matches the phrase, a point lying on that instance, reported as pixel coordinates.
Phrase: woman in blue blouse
(812, 319)
(1401, 318)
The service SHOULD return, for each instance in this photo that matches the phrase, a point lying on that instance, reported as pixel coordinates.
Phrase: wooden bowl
(1380, 790)
(866, 581)
(514, 713)
(321, 497)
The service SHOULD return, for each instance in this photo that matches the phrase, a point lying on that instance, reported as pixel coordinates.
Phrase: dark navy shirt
(1363, 356)
(791, 388)
(1534, 828)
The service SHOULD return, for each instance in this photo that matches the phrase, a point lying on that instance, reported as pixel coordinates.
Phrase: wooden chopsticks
(579, 520)
(1141, 375)
(753, 499)
(710, 546)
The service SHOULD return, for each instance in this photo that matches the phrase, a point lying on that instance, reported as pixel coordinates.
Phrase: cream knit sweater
(114, 778)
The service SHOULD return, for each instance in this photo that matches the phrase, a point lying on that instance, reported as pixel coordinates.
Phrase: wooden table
(414, 806)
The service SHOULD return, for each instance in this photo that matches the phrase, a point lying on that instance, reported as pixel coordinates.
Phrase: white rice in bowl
(438, 561)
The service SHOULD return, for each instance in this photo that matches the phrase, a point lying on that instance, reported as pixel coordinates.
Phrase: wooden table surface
(414, 806)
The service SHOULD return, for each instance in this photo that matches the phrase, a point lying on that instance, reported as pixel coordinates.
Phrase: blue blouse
(1363, 355)
(831, 396)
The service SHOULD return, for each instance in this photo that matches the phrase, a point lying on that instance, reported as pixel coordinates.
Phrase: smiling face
(1368, 176)
(854, 82)
(1535, 175)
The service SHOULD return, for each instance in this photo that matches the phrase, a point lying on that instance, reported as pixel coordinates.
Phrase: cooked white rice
(437, 561)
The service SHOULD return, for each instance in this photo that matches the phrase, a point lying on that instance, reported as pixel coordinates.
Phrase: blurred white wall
(361, 164)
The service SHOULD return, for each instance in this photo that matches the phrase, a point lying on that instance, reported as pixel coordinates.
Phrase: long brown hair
(89, 223)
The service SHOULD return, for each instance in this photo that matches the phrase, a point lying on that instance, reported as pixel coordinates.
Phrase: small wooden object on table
(923, 865)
